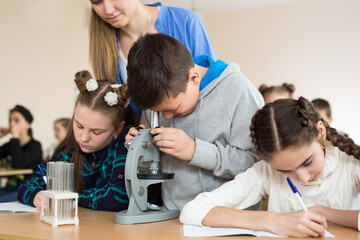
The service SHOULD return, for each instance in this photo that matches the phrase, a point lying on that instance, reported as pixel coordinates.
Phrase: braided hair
(289, 122)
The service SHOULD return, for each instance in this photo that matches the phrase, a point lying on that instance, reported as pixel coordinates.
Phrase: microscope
(142, 169)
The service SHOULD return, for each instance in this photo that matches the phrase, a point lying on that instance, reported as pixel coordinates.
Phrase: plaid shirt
(103, 177)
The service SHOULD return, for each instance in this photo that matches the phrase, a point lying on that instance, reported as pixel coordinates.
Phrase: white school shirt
(123, 63)
(336, 188)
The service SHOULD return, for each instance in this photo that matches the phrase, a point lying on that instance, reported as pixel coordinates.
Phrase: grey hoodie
(220, 126)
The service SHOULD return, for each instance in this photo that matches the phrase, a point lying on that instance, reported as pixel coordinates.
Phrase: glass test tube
(70, 186)
(50, 186)
(60, 177)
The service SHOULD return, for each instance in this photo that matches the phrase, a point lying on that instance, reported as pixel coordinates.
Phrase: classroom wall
(42, 44)
(314, 44)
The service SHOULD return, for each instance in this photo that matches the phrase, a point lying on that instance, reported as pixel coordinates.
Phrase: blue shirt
(102, 174)
(215, 68)
(185, 26)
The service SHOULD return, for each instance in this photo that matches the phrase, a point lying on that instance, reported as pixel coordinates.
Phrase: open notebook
(17, 208)
(197, 231)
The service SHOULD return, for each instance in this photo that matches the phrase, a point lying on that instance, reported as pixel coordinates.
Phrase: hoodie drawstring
(195, 136)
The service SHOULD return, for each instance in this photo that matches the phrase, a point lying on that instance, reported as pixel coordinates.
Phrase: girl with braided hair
(295, 142)
(95, 144)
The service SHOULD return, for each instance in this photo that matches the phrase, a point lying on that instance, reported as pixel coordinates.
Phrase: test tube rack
(59, 203)
(58, 199)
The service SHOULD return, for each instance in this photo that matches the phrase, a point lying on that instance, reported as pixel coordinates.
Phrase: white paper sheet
(197, 231)
(16, 208)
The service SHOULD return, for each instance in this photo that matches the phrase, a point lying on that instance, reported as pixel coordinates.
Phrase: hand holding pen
(42, 173)
(37, 199)
(302, 223)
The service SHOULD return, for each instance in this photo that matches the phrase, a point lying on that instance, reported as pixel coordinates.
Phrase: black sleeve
(4, 150)
(24, 157)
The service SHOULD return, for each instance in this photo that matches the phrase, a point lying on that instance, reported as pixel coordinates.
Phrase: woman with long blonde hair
(116, 24)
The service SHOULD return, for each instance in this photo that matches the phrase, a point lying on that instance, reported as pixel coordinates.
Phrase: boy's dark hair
(158, 67)
(289, 123)
(322, 104)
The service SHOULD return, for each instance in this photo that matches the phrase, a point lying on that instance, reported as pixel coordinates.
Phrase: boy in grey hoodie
(206, 108)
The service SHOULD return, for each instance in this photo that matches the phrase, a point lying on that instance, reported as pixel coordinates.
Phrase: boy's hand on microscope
(175, 142)
(132, 132)
(4, 131)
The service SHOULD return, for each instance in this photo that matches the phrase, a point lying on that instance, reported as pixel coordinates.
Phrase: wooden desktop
(101, 225)
(5, 172)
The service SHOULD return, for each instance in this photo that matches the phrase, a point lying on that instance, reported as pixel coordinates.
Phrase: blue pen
(42, 173)
(297, 194)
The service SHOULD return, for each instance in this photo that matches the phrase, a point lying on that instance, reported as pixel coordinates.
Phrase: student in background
(272, 93)
(22, 151)
(95, 144)
(324, 109)
(115, 25)
(206, 109)
(295, 142)
(60, 128)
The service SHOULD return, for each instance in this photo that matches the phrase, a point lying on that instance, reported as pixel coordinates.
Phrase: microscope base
(145, 217)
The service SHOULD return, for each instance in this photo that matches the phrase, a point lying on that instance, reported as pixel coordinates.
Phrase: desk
(5, 172)
(101, 225)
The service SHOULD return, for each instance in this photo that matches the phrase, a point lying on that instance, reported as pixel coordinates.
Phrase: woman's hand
(299, 224)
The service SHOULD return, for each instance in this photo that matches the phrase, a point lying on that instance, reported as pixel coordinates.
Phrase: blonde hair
(103, 48)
